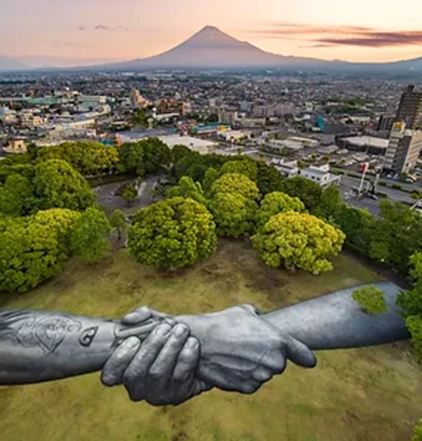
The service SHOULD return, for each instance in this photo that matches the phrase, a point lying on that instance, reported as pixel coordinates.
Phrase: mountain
(212, 48)
(10, 64)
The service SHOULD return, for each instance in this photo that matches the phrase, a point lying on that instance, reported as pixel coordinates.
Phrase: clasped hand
(234, 350)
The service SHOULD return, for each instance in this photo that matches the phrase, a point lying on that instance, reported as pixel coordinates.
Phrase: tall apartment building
(410, 108)
(137, 100)
(403, 149)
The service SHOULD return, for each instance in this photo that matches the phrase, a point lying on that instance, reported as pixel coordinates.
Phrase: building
(195, 144)
(16, 146)
(385, 123)
(368, 144)
(321, 175)
(289, 169)
(137, 100)
(403, 149)
(227, 117)
(410, 108)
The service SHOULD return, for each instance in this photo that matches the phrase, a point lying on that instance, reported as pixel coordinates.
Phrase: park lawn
(363, 394)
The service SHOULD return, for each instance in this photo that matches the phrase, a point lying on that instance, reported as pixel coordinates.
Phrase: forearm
(335, 321)
(39, 346)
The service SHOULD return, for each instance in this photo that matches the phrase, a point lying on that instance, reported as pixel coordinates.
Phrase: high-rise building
(410, 108)
(385, 123)
(137, 100)
(403, 149)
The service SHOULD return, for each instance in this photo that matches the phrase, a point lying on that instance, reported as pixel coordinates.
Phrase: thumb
(300, 354)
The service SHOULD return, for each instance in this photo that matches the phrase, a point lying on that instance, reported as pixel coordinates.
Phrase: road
(106, 195)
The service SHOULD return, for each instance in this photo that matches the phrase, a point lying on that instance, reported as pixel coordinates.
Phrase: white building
(321, 175)
(288, 169)
(195, 144)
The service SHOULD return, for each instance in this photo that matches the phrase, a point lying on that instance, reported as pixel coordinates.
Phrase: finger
(135, 376)
(250, 308)
(187, 361)
(299, 353)
(274, 360)
(144, 313)
(163, 366)
(115, 366)
(137, 316)
(262, 374)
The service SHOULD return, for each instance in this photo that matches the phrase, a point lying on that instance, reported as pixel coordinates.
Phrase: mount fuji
(212, 48)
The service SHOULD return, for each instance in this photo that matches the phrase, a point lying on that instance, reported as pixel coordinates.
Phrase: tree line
(48, 212)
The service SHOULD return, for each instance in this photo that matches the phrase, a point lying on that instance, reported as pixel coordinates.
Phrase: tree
(118, 221)
(131, 157)
(157, 155)
(90, 158)
(307, 191)
(371, 300)
(233, 213)
(187, 188)
(410, 303)
(331, 203)
(236, 183)
(90, 235)
(245, 167)
(58, 185)
(139, 118)
(211, 175)
(172, 234)
(358, 226)
(130, 193)
(269, 178)
(298, 240)
(396, 236)
(17, 196)
(275, 203)
(417, 436)
(35, 248)
(179, 152)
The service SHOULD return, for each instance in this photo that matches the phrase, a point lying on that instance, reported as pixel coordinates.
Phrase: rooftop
(367, 141)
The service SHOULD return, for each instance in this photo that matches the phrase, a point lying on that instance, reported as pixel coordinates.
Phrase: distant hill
(212, 48)
(10, 64)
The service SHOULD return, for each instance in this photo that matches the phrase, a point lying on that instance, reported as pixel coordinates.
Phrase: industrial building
(368, 144)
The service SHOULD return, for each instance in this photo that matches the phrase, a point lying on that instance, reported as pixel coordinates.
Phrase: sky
(74, 32)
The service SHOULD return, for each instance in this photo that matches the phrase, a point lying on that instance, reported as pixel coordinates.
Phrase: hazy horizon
(52, 32)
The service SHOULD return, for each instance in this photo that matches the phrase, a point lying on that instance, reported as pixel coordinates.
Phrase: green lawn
(365, 394)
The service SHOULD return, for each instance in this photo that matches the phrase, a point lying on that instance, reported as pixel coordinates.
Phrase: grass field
(363, 394)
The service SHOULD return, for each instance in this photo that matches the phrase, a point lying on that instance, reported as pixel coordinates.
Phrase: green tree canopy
(275, 203)
(118, 221)
(172, 234)
(233, 213)
(211, 175)
(187, 188)
(370, 299)
(269, 178)
(90, 235)
(87, 157)
(58, 185)
(131, 157)
(331, 203)
(396, 236)
(179, 152)
(236, 183)
(245, 167)
(298, 240)
(34, 249)
(307, 191)
(130, 193)
(358, 225)
(417, 436)
(17, 196)
(410, 303)
(157, 155)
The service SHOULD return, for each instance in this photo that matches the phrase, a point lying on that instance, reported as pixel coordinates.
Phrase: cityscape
(269, 204)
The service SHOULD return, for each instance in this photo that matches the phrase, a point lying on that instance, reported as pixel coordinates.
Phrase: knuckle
(107, 380)
(250, 388)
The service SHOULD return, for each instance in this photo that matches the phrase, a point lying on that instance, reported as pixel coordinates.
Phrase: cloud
(104, 28)
(328, 36)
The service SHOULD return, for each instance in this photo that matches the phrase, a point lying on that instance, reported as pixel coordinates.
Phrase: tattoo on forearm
(32, 330)
(88, 336)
